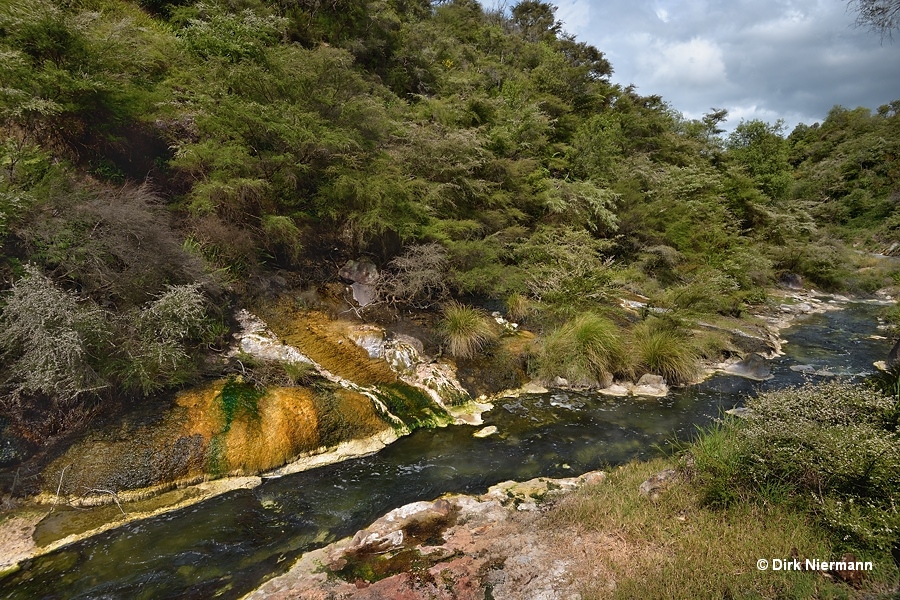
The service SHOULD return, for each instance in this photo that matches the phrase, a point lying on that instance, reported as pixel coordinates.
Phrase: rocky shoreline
(455, 547)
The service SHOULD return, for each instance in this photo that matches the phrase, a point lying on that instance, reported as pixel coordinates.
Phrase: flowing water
(226, 546)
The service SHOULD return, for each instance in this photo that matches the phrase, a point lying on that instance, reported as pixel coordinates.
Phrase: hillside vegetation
(161, 160)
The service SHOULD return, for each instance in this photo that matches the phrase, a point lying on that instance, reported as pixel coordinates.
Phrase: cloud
(765, 59)
(575, 14)
(697, 62)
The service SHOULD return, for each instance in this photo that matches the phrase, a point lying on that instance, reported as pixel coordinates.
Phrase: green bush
(466, 330)
(832, 449)
(587, 350)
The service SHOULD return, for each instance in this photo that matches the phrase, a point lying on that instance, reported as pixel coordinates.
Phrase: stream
(228, 545)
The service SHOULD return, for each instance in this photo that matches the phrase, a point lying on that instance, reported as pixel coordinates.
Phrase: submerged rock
(753, 367)
(485, 432)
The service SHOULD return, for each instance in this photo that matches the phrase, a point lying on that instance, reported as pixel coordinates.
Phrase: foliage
(153, 351)
(881, 16)
(466, 330)
(48, 337)
(473, 152)
(417, 277)
(832, 448)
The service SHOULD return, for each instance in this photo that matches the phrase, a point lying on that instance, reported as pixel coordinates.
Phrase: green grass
(466, 330)
(679, 547)
(663, 351)
(586, 350)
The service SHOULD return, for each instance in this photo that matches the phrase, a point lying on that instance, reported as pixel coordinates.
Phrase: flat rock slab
(456, 547)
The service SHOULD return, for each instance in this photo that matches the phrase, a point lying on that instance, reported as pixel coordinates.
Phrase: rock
(808, 369)
(764, 342)
(593, 478)
(656, 484)
(753, 367)
(739, 411)
(368, 337)
(410, 341)
(617, 389)
(363, 293)
(650, 385)
(791, 281)
(803, 307)
(560, 382)
(487, 431)
(360, 271)
(402, 357)
(893, 356)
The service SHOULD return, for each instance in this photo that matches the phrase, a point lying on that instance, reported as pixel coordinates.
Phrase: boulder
(791, 281)
(368, 337)
(894, 356)
(650, 385)
(656, 484)
(753, 367)
(360, 271)
(363, 293)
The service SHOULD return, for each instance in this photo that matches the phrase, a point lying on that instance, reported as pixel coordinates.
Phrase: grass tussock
(466, 330)
(662, 350)
(518, 307)
(586, 351)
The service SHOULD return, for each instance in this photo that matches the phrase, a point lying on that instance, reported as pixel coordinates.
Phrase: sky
(759, 59)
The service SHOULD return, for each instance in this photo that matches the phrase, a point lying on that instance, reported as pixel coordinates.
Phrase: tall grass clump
(518, 306)
(466, 330)
(661, 349)
(586, 350)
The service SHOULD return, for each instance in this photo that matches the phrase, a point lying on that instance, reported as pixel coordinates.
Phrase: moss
(412, 406)
(239, 399)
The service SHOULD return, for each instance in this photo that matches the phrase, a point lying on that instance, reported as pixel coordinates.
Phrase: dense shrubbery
(65, 350)
(469, 152)
(832, 449)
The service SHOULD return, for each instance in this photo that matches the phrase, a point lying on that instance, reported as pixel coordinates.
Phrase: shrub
(417, 277)
(831, 448)
(466, 330)
(48, 337)
(587, 350)
(660, 349)
(154, 351)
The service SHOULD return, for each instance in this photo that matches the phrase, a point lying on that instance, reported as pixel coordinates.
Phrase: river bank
(562, 452)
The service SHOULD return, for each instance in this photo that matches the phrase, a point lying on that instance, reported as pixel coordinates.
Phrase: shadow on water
(226, 546)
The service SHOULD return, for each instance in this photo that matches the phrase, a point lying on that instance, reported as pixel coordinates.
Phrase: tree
(881, 16)
(536, 20)
(760, 148)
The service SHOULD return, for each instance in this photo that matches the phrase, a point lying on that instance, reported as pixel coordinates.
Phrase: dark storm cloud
(766, 59)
